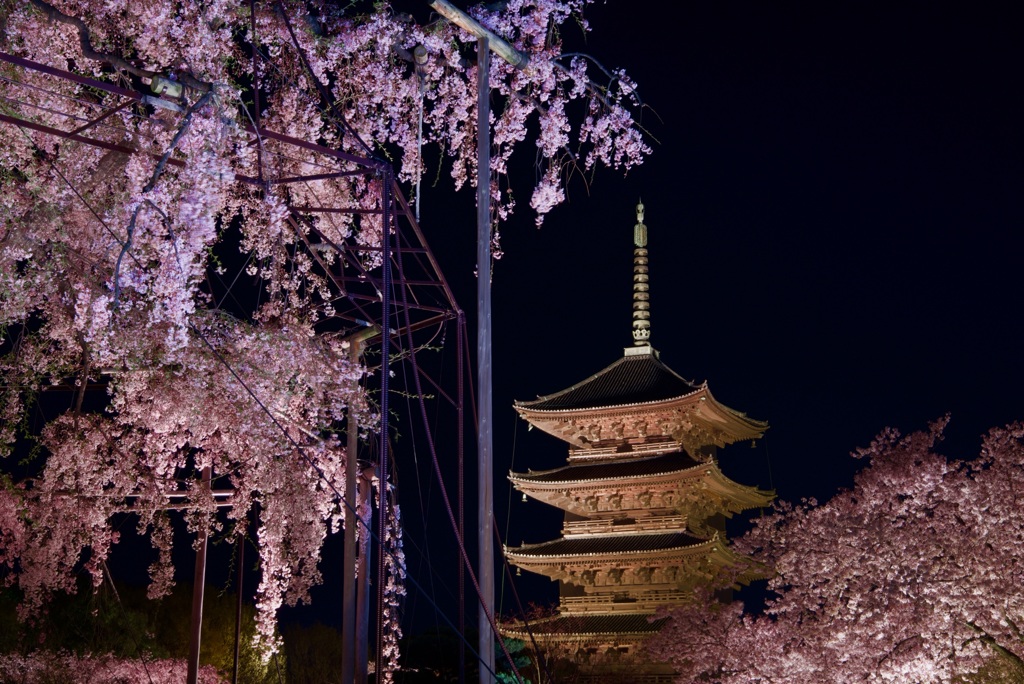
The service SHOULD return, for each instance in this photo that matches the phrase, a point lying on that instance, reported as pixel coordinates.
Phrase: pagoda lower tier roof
(608, 544)
(672, 562)
(640, 487)
(581, 627)
(620, 469)
(634, 379)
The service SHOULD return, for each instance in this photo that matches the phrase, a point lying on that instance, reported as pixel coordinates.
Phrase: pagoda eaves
(650, 486)
(625, 628)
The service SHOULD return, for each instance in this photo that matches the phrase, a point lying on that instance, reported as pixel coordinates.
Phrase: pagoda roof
(578, 626)
(639, 377)
(608, 544)
(638, 405)
(662, 464)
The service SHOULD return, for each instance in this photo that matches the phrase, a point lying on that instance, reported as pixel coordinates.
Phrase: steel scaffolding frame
(394, 305)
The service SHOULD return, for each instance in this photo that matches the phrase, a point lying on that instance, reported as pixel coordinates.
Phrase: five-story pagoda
(643, 495)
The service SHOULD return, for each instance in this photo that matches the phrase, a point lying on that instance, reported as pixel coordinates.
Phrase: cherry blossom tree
(106, 252)
(913, 575)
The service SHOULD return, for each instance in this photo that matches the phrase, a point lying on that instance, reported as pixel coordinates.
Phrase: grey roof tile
(630, 380)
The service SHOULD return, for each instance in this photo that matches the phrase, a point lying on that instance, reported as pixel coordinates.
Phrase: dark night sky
(835, 221)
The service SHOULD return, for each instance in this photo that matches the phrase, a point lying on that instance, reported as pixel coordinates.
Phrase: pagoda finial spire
(641, 296)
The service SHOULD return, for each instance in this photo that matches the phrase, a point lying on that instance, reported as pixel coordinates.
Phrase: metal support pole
(364, 493)
(385, 374)
(461, 411)
(351, 573)
(485, 484)
(486, 40)
(348, 611)
(238, 607)
(197, 598)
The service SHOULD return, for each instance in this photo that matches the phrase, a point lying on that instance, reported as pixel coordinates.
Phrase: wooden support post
(496, 43)
(197, 598)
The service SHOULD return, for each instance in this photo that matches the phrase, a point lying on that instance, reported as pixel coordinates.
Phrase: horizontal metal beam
(374, 164)
(336, 210)
(49, 130)
(84, 80)
(101, 117)
(319, 176)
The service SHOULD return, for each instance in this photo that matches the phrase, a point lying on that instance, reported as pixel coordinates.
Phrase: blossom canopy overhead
(121, 205)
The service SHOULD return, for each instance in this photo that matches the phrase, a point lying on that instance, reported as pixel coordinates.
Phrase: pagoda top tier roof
(639, 377)
(641, 406)
(638, 404)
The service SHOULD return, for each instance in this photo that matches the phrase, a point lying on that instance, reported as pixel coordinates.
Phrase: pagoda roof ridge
(635, 378)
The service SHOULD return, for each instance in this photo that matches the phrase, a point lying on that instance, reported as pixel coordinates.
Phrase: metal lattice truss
(390, 293)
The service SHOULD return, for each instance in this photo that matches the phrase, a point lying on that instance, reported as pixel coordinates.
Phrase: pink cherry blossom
(910, 576)
(41, 667)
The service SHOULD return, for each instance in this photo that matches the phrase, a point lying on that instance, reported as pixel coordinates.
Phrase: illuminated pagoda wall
(644, 498)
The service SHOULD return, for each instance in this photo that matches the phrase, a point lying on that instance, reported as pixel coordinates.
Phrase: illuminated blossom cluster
(107, 251)
(394, 590)
(42, 668)
(913, 575)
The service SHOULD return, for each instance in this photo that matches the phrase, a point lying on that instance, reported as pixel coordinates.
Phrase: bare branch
(83, 381)
(157, 172)
(182, 129)
(116, 61)
(1013, 626)
(611, 77)
(990, 641)
(597, 91)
